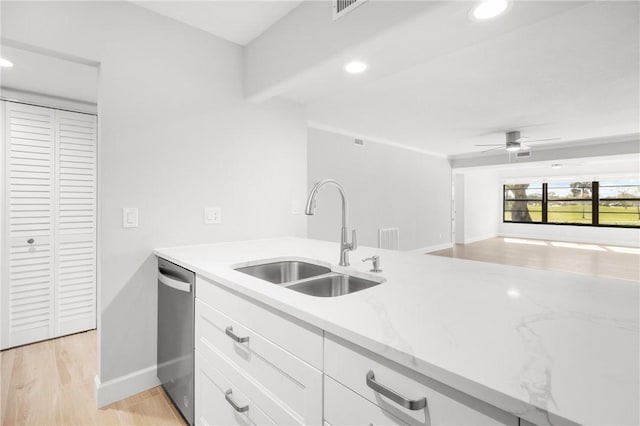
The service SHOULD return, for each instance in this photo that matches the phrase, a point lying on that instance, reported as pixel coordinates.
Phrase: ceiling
(442, 83)
(572, 74)
(438, 82)
(238, 21)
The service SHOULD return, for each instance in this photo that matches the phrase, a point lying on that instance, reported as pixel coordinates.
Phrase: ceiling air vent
(523, 154)
(342, 7)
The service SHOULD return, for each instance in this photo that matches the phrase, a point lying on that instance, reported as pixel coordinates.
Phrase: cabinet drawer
(345, 407)
(295, 384)
(302, 340)
(212, 407)
(350, 365)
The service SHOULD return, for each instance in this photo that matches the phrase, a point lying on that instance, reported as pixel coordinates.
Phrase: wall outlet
(129, 217)
(212, 215)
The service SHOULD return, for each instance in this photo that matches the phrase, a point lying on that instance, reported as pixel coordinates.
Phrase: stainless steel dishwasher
(176, 300)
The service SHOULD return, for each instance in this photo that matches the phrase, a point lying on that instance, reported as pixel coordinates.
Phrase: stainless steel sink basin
(332, 285)
(284, 272)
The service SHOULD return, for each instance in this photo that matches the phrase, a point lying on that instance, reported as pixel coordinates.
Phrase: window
(619, 203)
(569, 202)
(606, 203)
(523, 203)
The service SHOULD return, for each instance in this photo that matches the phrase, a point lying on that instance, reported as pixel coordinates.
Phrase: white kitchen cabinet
(285, 387)
(344, 407)
(435, 403)
(49, 223)
(292, 373)
(298, 338)
(220, 402)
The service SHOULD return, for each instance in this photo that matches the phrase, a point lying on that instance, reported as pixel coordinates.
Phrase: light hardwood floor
(590, 259)
(52, 383)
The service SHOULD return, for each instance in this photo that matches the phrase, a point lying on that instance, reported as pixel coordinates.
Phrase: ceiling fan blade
(540, 140)
(492, 149)
(491, 144)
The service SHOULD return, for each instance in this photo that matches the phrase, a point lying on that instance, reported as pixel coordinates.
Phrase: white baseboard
(429, 249)
(125, 386)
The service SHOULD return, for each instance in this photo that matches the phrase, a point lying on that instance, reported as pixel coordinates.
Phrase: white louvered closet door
(50, 222)
(28, 302)
(75, 240)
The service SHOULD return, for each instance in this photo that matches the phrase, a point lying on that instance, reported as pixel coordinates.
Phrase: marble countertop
(549, 347)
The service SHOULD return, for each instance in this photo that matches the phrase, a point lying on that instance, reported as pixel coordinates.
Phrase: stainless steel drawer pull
(234, 336)
(411, 404)
(239, 409)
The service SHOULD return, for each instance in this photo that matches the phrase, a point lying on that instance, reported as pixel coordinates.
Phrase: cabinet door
(27, 289)
(75, 243)
(345, 407)
(213, 406)
(287, 389)
(367, 374)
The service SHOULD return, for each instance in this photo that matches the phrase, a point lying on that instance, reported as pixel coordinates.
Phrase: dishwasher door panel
(176, 334)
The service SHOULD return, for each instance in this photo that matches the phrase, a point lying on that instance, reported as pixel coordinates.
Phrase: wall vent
(342, 7)
(389, 238)
(523, 154)
(358, 142)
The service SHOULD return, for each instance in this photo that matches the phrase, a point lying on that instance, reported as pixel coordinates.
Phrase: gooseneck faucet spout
(345, 245)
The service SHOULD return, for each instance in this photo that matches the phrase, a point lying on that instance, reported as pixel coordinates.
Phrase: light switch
(129, 217)
(212, 215)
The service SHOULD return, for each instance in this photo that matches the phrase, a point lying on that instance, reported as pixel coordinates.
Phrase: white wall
(482, 212)
(578, 234)
(386, 187)
(175, 136)
(477, 198)
(459, 207)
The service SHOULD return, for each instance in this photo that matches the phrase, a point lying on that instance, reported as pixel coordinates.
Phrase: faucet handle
(354, 240)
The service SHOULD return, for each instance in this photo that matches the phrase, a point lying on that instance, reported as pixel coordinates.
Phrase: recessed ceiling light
(355, 67)
(556, 166)
(488, 9)
(5, 63)
(513, 293)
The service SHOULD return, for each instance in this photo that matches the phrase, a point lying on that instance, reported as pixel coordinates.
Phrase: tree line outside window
(595, 203)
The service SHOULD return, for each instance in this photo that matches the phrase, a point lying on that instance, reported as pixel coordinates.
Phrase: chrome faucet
(345, 245)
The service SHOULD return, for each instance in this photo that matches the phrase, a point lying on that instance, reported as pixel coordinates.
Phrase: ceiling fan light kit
(514, 142)
(513, 146)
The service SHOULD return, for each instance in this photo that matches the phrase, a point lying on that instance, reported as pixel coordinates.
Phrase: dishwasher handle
(173, 283)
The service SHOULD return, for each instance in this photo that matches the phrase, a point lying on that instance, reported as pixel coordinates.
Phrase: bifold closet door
(75, 237)
(28, 294)
(50, 224)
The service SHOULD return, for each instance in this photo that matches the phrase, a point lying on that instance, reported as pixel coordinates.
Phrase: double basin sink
(308, 278)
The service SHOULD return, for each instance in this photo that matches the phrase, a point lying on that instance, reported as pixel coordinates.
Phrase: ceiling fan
(515, 142)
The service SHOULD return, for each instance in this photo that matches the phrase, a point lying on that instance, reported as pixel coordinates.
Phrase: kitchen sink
(332, 285)
(309, 278)
(284, 272)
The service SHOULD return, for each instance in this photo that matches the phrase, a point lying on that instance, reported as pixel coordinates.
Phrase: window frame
(595, 208)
